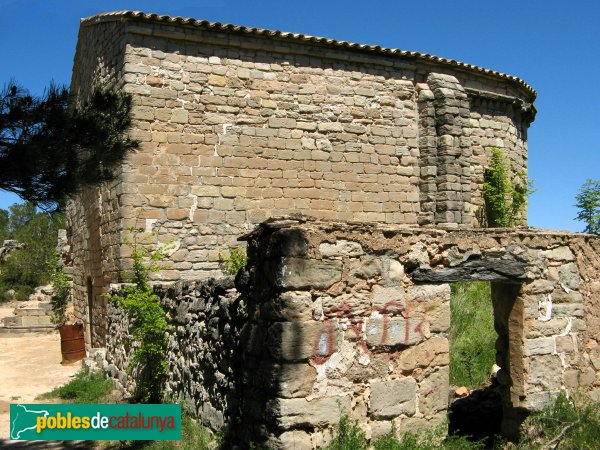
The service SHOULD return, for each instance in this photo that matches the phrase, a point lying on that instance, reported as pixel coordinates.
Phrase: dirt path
(29, 366)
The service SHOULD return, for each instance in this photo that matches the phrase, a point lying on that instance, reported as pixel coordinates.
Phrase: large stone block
(392, 398)
(559, 254)
(299, 273)
(428, 292)
(319, 412)
(394, 331)
(364, 269)
(568, 275)
(289, 305)
(389, 298)
(433, 392)
(539, 346)
(294, 341)
(295, 380)
(545, 373)
(349, 306)
(433, 352)
(288, 243)
(340, 248)
(296, 440)
(439, 318)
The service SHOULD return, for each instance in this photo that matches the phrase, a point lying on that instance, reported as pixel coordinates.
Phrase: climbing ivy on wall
(148, 322)
(504, 198)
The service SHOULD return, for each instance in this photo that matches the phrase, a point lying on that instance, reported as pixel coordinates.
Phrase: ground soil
(29, 366)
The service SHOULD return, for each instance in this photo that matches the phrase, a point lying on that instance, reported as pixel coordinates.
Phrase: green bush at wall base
(148, 323)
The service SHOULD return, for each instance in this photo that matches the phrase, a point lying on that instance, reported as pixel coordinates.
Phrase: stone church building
(385, 151)
(241, 124)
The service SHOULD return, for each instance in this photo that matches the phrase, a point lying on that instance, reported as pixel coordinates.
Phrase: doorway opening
(484, 359)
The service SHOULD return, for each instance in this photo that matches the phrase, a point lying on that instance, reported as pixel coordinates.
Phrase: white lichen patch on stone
(340, 248)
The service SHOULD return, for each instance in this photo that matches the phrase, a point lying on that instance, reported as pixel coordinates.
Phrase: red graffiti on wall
(324, 344)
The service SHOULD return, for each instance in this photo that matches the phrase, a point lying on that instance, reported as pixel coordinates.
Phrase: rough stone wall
(236, 128)
(205, 320)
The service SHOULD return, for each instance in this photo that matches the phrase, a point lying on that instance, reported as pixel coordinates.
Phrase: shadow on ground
(75, 445)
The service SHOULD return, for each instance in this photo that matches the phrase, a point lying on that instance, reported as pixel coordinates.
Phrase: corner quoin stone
(295, 341)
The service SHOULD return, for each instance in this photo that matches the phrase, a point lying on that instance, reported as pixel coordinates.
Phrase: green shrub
(472, 334)
(504, 198)
(565, 424)
(347, 435)
(236, 260)
(148, 323)
(408, 441)
(85, 387)
(61, 288)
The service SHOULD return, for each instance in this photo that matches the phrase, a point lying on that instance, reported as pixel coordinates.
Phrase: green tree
(27, 267)
(4, 234)
(588, 202)
(51, 147)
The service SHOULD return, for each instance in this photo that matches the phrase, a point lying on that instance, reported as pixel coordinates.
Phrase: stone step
(16, 321)
(10, 330)
(32, 312)
(33, 309)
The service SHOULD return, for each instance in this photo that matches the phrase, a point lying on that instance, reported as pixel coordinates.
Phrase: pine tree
(588, 202)
(50, 148)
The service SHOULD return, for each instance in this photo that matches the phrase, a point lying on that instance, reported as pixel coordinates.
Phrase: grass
(349, 436)
(85, 387)
(194, 436)
(565, 424)
(92, 387)
(472, 334)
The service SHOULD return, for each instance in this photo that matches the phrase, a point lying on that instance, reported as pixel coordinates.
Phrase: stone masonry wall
(94, 216)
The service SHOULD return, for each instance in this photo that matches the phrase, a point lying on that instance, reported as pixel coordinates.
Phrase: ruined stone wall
(238, 127)
(336, 317)
(205, 319)
(358, 316)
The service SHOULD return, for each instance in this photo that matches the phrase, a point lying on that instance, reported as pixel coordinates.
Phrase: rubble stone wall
(334, 317)
(205, 320)
(357, 318)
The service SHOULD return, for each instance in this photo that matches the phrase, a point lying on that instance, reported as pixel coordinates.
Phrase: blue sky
(553, 45)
